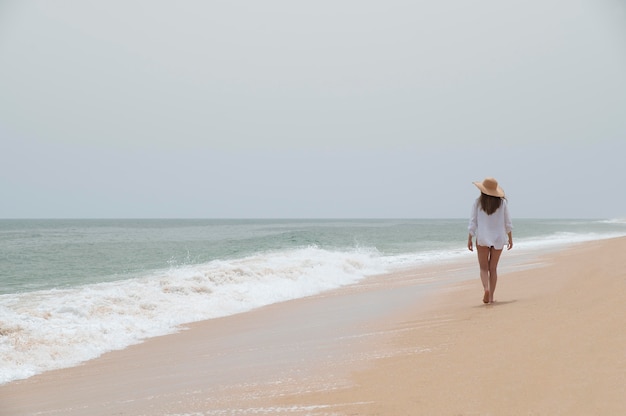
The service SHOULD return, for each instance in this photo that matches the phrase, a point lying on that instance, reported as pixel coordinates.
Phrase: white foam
(564, 238)
(613, 221)
(44, 330)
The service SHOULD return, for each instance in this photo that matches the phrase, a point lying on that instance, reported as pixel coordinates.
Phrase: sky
(311, 109)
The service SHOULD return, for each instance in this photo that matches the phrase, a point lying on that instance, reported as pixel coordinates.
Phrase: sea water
(71, 290)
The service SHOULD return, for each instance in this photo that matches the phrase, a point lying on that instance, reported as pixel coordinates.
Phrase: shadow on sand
(496, 303)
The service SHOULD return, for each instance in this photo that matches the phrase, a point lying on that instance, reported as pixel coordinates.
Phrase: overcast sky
(325, 108)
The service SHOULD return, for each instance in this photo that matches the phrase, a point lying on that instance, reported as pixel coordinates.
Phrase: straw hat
(490, 186)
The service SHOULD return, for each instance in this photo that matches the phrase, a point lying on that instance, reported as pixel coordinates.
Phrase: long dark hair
(490, 204)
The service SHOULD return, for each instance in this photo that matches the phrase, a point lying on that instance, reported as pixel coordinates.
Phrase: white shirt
(490, 230)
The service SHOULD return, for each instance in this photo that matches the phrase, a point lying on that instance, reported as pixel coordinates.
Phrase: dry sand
(553, 344)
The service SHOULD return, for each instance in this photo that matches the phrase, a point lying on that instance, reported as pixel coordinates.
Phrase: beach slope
(554, 344)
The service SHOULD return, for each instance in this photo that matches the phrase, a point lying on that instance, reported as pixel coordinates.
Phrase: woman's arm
(508, 224)
(473, 224)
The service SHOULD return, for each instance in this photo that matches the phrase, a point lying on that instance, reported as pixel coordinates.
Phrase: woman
(490, 223)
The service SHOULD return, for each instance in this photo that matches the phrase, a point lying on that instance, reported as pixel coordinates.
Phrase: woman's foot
(486, 297)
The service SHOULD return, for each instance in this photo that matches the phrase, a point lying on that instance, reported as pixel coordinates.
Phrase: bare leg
(488, 258)
(483, 263)
(494, 258)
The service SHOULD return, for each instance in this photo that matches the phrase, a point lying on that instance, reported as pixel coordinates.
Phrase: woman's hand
(470, 244)
(510, 245)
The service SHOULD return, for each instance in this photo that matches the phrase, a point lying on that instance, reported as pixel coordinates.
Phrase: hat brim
(498, 192)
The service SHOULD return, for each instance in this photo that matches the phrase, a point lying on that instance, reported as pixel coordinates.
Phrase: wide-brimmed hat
(490, 187)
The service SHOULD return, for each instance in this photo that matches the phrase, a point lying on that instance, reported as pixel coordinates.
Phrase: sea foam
(44, 330)
(50, 329)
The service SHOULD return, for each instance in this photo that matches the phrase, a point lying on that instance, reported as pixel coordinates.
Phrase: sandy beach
(418, 342)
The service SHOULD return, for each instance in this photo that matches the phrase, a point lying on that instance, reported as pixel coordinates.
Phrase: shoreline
(553, 345)
(342, 344)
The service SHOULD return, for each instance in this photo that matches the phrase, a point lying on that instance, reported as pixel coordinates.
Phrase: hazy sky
(355, 108)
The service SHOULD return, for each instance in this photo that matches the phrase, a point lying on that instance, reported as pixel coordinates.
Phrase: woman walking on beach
(491, 224)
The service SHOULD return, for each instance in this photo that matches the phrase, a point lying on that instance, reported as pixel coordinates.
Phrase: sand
(418, 342)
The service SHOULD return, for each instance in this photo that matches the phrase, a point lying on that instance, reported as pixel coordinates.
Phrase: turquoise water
(74, 289)
(46, 254)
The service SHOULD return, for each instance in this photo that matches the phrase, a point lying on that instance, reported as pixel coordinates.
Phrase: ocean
(71, 290)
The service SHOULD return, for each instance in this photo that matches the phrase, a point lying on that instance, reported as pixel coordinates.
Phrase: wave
(614, 221)
(560, 239)
(59, 328)
(51, 329)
